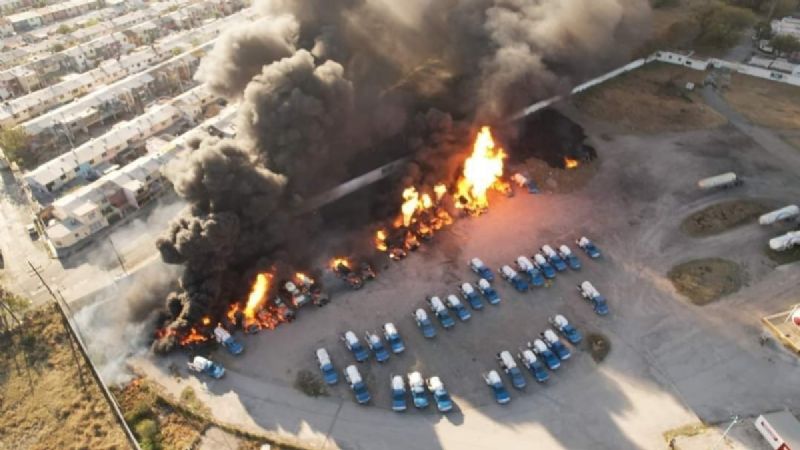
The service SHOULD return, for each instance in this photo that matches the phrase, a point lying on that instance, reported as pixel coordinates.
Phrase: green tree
(721, 25)
(763, 30)
(57, 47)
(785, 44)
(63, 29)
(14, 144)
(782, 8)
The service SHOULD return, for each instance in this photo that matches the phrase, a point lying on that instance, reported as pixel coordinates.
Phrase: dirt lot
(44, 406)
(706, 280)
(650, 99)
(721, 217)
(764, 102)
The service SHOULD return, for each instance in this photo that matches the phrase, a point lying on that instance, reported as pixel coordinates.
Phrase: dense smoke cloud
(323, 84)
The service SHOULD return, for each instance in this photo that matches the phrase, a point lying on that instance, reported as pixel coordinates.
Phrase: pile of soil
(722, 217)
(559, 181)
(599, 346)
(706, 280)
(784, 257)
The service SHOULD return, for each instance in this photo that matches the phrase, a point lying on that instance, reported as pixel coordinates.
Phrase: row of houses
(40, 71)
(26, 107)
(77, 216)
(86, 160)
(786, 26)
(9, 7)
(28, 20)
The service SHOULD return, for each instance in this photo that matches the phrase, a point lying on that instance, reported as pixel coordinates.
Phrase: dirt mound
(706, 280)
(599, 346)
(784, 257)
(722, 217)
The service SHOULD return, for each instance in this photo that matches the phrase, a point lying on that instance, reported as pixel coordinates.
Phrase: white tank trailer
(719, 181)
(785, 213)
(785, 242)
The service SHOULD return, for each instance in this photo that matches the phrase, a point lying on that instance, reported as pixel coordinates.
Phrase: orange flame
(206, 321)
(256, 298)
(440, 189)
(380, 240)
(481, 171)
(304, 279)
(336, 262)
(427, 203)
(193, 337)
(570, 163)
(410, 204)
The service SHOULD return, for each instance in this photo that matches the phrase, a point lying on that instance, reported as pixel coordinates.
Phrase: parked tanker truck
(785, 242)
(724, 180)
(783, 214)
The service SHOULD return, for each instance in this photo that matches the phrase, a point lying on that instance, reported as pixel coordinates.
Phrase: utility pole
(65, 321)
(73, 336)
(734, 421)
(119, 257)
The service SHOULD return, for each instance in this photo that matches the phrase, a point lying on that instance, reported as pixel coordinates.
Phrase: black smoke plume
(324, 85)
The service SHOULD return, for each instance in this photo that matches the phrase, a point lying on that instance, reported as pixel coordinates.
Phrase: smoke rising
(324, 84)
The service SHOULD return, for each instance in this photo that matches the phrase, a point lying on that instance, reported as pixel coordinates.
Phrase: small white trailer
(780, 429)
(785, 213)
(785, 241)
(724, 180)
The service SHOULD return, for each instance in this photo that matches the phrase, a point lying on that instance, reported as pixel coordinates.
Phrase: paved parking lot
(671, 363)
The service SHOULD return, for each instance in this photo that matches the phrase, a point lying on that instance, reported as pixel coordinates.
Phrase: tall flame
(410, 204)
(257, 296)
(481, 170)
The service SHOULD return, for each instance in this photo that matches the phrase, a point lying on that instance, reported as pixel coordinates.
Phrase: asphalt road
(671, 363)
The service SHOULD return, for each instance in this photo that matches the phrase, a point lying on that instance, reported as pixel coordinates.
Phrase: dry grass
(558, 181)
(767, 103)
(706, 280)
(722, 217)
(50, 410)
(650, 99)
(784, 257)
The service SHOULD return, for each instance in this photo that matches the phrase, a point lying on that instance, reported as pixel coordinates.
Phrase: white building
(81, 162)
(787, 25)
(120, 191)
(25, 21)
